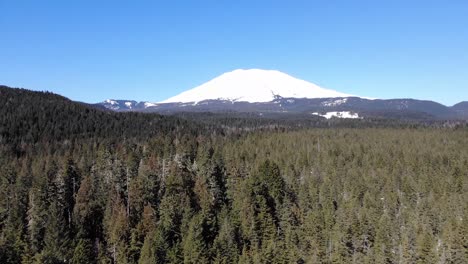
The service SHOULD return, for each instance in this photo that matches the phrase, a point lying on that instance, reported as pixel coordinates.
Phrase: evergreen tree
(56, 242)
(425, 248)
(83, 253)
(195, 249)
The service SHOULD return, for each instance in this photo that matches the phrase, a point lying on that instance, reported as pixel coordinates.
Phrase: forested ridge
(105, 187)
(32, 117)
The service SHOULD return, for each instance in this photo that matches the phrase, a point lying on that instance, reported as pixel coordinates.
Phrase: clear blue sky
(151, 50)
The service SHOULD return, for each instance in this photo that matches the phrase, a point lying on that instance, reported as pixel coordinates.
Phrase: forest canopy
(84, 185)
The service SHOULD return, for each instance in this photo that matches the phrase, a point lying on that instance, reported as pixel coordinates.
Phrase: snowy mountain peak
(254, 85)
(119, 105)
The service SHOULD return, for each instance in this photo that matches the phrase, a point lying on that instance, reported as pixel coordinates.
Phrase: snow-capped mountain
(269, 91)
(253, 86)
(120, 105)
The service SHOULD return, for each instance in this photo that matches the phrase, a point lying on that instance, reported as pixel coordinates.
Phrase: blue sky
(151, 50)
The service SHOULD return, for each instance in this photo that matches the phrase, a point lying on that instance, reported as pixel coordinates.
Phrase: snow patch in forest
(342, 114)
(335, 102)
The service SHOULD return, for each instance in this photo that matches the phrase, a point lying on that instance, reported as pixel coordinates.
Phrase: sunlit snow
(342, 114)
(148, 104)
(112, 102)
(335, 102)
(254, 86)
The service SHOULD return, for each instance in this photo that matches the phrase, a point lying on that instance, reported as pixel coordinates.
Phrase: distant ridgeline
(29, 117)
(409, 109)
(270, 91)
(82, 184)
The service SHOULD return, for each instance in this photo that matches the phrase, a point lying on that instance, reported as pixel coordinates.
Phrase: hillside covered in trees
(85, 185)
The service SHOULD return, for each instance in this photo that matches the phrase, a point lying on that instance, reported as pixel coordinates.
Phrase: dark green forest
(80, 184)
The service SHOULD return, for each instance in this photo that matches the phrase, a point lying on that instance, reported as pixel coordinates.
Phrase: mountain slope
(392, 108)
(269, 91)
(29, 117)
(461, 109)
(461, 106)
(253, 86)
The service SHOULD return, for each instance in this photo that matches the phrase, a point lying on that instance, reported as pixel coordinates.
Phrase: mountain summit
(253, 85)
(273, 92)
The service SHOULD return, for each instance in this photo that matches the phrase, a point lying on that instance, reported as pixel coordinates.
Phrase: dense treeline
(358, 195)
(31, 117)
(238, 121)
(186, 194)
